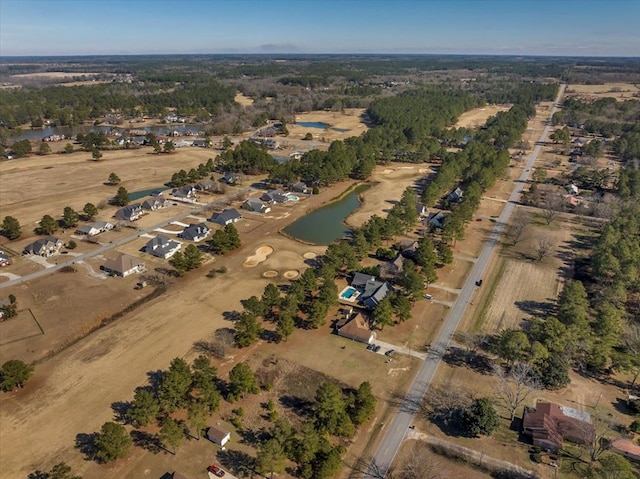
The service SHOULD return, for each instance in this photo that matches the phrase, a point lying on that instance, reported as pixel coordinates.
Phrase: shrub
(635, 426)
(72, 245)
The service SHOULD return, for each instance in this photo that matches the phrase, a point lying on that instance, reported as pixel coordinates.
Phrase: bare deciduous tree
(519, 223)
(594, 437)
(515, 386)
(445, 401)
(544, 247)
(421, 465)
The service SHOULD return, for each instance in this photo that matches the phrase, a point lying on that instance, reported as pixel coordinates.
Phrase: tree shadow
(238, 462)
(120, 410)
(270, 336)
(252, 437)
(86, 444)
(231, 315)
(155, 378)
(470, 359)
(537, 309)
(146, 441)
(298, 405)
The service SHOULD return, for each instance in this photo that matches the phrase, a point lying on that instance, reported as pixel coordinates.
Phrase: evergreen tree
(271, 457)
(90, 211)
(13, 374)
(242, 381)
(122, 197)
(70, 217)
(480, 418)
(47, 225)
(383, 314)
(113, 179)
(11, 228)
(248, 330)
(112, 442)
(285, 325)
(171, 434)
(145, 407)
(175, 386)
(364, 405)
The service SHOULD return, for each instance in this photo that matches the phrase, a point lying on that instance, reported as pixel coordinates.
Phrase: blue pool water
(293, 198)
(348, 293)
(312, 124)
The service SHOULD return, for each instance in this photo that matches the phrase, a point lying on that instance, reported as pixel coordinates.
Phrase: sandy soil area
(478, 116)
(243, 100)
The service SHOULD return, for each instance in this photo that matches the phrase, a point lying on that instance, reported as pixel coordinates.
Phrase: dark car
(376, 348)
(370, 347)
(391, 352)
(216, 470)
(479, 282)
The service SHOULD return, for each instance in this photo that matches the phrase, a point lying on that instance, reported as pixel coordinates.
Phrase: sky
(496, 27)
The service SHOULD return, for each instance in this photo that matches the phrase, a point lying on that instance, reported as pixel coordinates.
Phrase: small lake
(312, 124)
(326, 225)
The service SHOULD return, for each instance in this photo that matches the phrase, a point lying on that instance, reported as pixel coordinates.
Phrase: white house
(123, 265)
(162, 247)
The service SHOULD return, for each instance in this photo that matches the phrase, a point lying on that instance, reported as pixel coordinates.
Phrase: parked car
(391, 352)
(370, 347)
(216, 470)
(428, 296)
(479, 282)
(376, 348)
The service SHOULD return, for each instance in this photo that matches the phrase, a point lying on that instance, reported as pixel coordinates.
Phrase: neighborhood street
(102, 249)
(398, 427)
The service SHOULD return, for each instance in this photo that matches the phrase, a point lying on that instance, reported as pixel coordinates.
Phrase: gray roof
(360, 280)
(456, 194)
(193, 232)
(226, 216)
(205, 185)
(122, 263)
(373, 296)
(254, 204)
(277, 196)
(37, 246)
(129, 211)
(160, 245)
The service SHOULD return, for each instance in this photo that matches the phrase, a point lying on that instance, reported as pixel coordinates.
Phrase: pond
(136, 195)
(326, 225)
(312, 124)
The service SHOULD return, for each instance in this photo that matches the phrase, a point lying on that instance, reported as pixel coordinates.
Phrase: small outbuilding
(218, 436)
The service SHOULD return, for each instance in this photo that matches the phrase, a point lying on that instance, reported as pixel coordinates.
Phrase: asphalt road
(397, 428)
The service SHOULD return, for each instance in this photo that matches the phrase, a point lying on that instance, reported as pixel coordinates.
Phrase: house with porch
(205, 185)
(230, 178)
(130, 212)
(45, 247)
(123, 265)
(275, 196)
(355, 326)
(300, 187)
(227, 216)
(256, 205)
(162, 247)
(95, 228)
(195, 233)
(156, 202)
(186, 194)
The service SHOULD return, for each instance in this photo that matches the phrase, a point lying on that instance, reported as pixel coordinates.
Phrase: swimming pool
(293, 198)
(348, 293)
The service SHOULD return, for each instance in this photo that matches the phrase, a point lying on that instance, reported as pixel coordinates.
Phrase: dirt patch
(259, 256)
(309, 255)
(243, 100)
(340, 125)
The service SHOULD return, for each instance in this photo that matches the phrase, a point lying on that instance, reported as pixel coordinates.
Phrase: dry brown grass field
(619, 91)
(479, 116)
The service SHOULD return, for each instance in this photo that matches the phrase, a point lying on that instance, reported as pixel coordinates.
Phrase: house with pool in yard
(365, 291)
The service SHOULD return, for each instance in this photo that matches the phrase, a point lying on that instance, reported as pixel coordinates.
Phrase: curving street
(398, 427)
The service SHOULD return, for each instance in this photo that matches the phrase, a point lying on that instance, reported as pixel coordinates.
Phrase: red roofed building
(549, 424)
(626, 448)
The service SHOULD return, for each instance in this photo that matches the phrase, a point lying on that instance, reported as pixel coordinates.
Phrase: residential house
(572, 200)
(626, 448)
(300, 187)
(45, 247)
(230, 178)
(275, 196)
(186, 194)
(355, 326)
(435, 220)
(130, 212)
(549, 424)
(408, 248)
(226, 217)
(390, 269)
(95, 228)
(4, 259)
(195, 232)
(572, 189)
(162, 247)
(455, 195)
(123, 265)
(156, 202)
(255, 205)
(205, 185)
(371, 290)
(218, 436)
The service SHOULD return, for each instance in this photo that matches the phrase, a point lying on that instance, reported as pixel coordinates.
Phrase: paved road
(396, 430)
(104, 248)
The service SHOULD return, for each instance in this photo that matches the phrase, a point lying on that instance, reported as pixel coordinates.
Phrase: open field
(619, 91)
(351, 121)
(478, 116)
(56, 75)
(243, 100)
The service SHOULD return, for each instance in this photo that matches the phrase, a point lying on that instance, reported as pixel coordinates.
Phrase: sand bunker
(259, 256)
(387, 171)
(270, 274)
(291, 274)
(309, 255)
